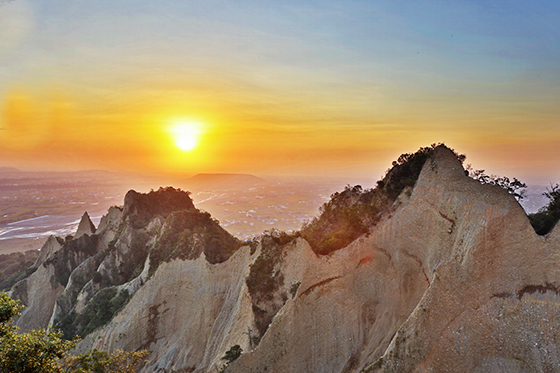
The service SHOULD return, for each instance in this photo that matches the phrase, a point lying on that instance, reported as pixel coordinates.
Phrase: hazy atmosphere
(278, 88)
(362, 186)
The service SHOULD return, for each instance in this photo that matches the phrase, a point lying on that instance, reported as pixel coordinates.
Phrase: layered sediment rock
(453, 279)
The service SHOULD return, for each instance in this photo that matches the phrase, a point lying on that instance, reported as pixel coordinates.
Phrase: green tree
(546, 218)
(95, 361)
(233, 353)
(35, 352)
(514, 187)
(44, 351)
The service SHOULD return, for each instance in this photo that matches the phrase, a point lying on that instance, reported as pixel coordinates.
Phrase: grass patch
(98, 312)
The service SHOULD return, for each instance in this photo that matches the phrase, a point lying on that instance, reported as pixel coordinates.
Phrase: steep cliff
(448, 277)
(454, 280)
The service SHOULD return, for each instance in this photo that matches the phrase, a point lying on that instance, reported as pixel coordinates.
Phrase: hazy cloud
(16, 21)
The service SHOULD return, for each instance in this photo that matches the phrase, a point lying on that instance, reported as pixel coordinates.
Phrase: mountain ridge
(451, 278)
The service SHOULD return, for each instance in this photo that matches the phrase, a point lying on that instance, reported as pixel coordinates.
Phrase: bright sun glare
(185, 135)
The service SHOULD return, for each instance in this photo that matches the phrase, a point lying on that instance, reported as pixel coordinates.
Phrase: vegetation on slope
(15, 267)
(98, 312)
(513, 186)
(72, 253)
(352, 212)
(231, 355)
(141, 208)
(265, 280)
(264, 276)
(548, 216)
(186, 234)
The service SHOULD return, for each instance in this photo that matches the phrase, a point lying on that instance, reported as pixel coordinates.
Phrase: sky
(329, 88)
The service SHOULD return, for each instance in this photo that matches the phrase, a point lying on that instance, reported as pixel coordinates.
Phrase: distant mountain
(8, 170)
(224, 181)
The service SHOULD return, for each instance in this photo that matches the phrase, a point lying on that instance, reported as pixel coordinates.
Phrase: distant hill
(8, 170)
(223, 181)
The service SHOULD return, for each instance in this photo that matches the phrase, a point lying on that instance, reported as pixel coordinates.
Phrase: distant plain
(34, 205)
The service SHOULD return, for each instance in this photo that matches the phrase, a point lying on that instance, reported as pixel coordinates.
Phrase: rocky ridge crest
(452, 279)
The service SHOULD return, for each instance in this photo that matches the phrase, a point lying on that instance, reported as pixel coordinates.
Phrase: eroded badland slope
(452, 278)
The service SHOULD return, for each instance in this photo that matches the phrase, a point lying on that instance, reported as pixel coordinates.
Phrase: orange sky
(296, 89)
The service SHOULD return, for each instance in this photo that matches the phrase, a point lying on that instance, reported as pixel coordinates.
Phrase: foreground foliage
(34, 352)
(44, 351)
(95, 361)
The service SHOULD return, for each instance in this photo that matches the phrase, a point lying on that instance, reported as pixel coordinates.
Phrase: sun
(185, 135)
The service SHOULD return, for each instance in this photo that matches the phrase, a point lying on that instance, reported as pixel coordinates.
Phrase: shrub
(548, 216)
(187, 234)
(233, 353)
(514, 187)
(264, 277)
(98, 312)
(95, 361)
(35, 352)
(345, 217)
(44, 351)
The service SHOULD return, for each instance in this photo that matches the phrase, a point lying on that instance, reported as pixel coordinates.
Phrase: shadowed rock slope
(451, 278)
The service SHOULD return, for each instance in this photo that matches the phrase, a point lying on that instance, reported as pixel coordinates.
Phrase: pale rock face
(346, 309)
(492, 304)
(109, 226)
(51, 246)
(40, 295)
(85, 226)
(37, 292)
(454, 279)
(188, 315)
(111, 220)
(457, 272)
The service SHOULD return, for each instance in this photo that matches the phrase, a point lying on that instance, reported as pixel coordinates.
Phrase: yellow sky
(291, 89)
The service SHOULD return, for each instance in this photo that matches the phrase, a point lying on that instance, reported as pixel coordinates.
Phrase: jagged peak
(141, 208)
(51, 246)
(445, 172)
(113, 217)
(85, 227)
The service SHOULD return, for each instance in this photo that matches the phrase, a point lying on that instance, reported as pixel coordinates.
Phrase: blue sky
(362, 80)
